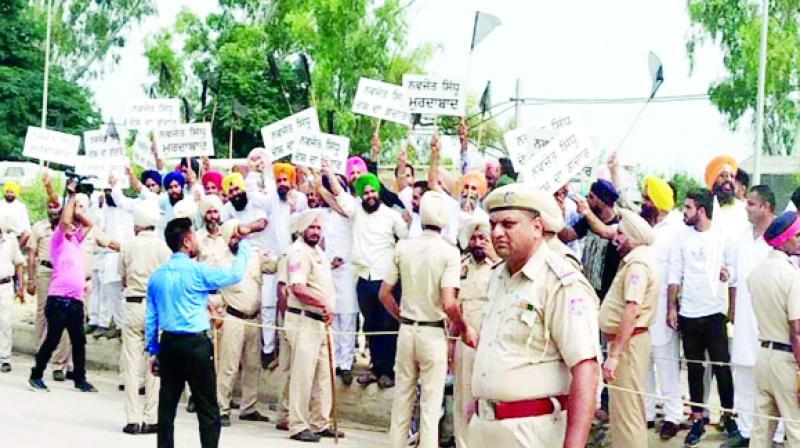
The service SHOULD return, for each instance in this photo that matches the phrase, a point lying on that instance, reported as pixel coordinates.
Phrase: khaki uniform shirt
(213, 249)
(10, 256)
(138, 259)
(474, 286)
(245, 296)
(562, 249)
(775, 287)
(540, 322)
(637, 280)
(39, 241)
(306, 265)
(424, 265)
(95, 237)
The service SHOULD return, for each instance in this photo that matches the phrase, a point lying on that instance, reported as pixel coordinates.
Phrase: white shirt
(19, 222)
(339, 243)
(254, 210)
(450, 231)
(374, 236)
(10, 257)
(118, 225)
(742, 256)
(688, 269)
(406, 195)
(415, 228)
(666, 233)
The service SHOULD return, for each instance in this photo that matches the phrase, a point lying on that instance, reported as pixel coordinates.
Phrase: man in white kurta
(118, 225)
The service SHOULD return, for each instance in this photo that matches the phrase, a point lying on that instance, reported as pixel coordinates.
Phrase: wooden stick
(333, 385)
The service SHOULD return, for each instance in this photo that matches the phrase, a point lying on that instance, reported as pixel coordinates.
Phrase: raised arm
(433, 171)
(217, 278)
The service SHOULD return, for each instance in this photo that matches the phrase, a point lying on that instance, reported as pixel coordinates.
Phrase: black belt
(3, 281)
(135, 299)
(309, 314)
(203, 333)
(777, 346)
(437, 324)
(236, 313)
(46, 264)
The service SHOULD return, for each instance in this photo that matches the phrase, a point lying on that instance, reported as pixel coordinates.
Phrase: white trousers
(94, 299)
(344, 344)
(664, 380)
(110, 304)
(268, 311)
(6, 301)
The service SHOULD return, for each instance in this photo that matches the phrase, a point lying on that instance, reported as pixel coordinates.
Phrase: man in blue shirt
(177, 304)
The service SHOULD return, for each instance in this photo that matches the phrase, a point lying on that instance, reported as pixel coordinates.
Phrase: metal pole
(517, 103)
(762, 76)
(46, 63)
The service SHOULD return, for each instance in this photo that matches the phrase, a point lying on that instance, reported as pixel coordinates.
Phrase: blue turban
(176, 176)
(151, 174)
(605, 191)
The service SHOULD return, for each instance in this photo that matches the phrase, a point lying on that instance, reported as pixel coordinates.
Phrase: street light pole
(46, 63)
(762, 76)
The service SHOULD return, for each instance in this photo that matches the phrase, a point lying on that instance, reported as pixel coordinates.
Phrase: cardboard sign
(99, 144)
(555, 164)
(280, 137)
(382, 100)
(307, 151)
(523, 143)
(435, 96)
(311, 149)
(100, 169)
(185, 140)
(142, 155)
(335, 149)
(53, 146)
(154, 113)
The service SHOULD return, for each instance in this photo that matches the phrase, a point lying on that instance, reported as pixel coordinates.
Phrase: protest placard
(524, 142)
(142, 155)
(149, 114)
(53, 146)
(185, 140)
(99, 144)
(335, 149)
(281, 136)
(100, 169)
(435, 96)
(307, 151)
(382, 100)
(555, 164)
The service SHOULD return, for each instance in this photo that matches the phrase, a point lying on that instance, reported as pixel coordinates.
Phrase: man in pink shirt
(64, 307)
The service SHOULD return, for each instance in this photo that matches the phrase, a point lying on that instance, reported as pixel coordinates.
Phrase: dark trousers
(701, 335)
(382, 348)
(188, 358)
(63, 313)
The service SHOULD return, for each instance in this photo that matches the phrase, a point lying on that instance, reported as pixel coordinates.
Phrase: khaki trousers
(463, 361)
(421, 356)
(132, 355)
(626, 410)
(62, 356)
(284, 364)
(239, 343)
(541, 431)
(309, 375)
(776, 395)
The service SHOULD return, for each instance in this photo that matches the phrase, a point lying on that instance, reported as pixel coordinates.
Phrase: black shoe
(735, 440)
(5, 368)
(70, 375)
(234, 405)
(58, 375)
(329, 433)
(729, 425)
(266, 359)
(305, 436)
(651, 424)
(668, 430)
(149, 429)
(85, 387)
(190, 406)
(225, 420)
(384, 382)
(37, 385)
(696, 433)
(347, 377)
(254, 417)
(132, 428)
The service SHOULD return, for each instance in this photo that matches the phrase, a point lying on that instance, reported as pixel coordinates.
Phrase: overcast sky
(563, 49)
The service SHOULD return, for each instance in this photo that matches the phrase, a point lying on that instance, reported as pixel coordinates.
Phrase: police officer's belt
(236, 313)
(309, 314)
(438, 323)
(3, 281)
(134, 299)
(46, 264)
(637, 330)
(496, 410)
(777, 346)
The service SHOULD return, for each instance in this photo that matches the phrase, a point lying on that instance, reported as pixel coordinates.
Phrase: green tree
(735, 25)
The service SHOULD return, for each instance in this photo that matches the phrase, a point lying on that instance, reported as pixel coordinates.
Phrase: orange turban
(715, 167)
(284, 168)
(477, 178)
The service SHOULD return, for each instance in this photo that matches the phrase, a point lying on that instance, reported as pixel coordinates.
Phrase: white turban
(210, 202)
(478, 221)
(301, 221)
(146, 214)
(228, 229)
(433, 209)
(185, 208)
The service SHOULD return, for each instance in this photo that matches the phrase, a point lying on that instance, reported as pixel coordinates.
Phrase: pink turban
(214, 177)
(355, 162)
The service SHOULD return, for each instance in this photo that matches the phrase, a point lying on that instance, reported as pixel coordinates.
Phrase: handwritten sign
(382, 100)
(52, 146)
(185, 140)
(102, 168)
(555, 164)
(142, 155)
(99, 144)
(524, 142)
(335, 149)
(154, 113)
(280, 137)
(435, 96)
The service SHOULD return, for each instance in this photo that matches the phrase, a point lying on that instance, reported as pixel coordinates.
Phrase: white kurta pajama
(339, 243)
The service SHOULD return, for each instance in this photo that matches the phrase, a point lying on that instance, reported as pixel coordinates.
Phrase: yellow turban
(300, 221)
(477, 178)
(210, 202)
(478, 221)
(715, 167)
(228, 229)
(659, 192)
(433, 209)
(234, 178)
(11, 186)
(636, 228)
(284, 168)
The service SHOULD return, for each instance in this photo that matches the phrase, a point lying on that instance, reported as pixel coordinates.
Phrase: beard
(174, 199)
(282, 192)
(212, 226)
(311, 240)
(725, 195)
(690, 221)
(239, 201)
(649, 213)
(468, 203)
(370, 205)
(110, 200)
(478, 254)
(10, 199)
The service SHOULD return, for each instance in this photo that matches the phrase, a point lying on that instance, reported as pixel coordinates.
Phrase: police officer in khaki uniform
(11, 267)
(627, 311)
(240, 336)
(428, 267)
(139, 258)
(537, 356)
(775, 287)
(310, 309)
(476, 269)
